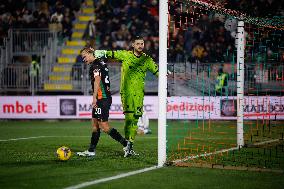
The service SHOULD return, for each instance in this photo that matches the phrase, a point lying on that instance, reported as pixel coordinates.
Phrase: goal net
(225, 102)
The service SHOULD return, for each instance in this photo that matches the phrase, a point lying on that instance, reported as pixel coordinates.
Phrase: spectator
(57, 16)
(89, 34)
(35, 70)
(20, 14)
(55, 25)
(221, 86)
(67, 28)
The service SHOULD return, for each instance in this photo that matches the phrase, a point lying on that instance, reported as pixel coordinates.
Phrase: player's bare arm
(96, 89)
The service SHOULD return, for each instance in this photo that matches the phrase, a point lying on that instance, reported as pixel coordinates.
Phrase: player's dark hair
(137, 37)
(87, 49)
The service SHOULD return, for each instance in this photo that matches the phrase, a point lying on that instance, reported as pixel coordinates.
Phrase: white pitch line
(204, 155)
(221, 151)
(85, 184)
(264, 142)
(35, 137)
(27, 138)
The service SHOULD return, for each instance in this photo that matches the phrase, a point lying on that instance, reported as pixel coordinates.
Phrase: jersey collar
(135, 54)
(99, 61)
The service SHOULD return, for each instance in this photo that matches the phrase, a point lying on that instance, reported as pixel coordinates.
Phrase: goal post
(240, 82)
(162, 90)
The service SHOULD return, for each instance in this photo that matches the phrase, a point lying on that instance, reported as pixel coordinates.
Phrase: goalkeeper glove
(100, 53)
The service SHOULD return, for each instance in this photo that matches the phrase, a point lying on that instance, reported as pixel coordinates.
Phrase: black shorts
(102, 111)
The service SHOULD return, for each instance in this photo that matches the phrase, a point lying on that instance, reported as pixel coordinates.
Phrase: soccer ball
(63, 153)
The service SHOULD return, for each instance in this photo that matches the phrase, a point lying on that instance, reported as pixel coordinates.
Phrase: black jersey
(99, 68)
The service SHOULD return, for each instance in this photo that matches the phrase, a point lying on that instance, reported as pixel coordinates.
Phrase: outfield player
(101, 103)
(135, 64)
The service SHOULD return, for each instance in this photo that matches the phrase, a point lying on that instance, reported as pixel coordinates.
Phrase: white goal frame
(162, 90)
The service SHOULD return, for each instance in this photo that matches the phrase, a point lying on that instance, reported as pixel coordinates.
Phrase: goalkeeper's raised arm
(118, 55)
(126, 56)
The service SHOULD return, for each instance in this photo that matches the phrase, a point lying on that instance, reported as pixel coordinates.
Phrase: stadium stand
(61, 73)
(58, 29)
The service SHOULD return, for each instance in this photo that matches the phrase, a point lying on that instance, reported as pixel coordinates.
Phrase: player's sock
(117, 136)
(94, 140)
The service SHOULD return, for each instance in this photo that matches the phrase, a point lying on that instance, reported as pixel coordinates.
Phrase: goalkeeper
(135, 64)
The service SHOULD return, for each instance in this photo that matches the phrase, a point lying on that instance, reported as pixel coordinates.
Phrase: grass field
(28, 162)
(264, 148)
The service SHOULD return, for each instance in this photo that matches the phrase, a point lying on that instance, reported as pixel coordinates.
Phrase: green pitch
(31, 162)
(264, 144)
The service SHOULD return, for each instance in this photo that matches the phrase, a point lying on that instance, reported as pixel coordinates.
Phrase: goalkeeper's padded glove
(100, 53)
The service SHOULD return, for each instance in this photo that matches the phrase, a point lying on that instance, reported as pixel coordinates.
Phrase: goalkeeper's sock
(94, 140)
(117, 136)
(127, 125)
(133, 130)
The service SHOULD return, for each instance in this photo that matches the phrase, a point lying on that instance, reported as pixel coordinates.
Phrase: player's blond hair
(87, 49)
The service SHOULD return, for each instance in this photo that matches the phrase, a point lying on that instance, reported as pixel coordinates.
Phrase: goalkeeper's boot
(133, 153)
(86, 153)
(127, 149)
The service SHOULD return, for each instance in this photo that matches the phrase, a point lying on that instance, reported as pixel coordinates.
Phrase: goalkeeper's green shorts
(132, 103)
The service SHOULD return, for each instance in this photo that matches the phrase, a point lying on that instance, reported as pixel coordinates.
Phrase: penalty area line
(26, 138)
(85, 184)
(35, 137)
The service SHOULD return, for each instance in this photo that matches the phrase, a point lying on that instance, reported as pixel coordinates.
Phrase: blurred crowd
(57, 15)
(206, 36)
(197, 36)
(257, 8)
(209, 38)
(193, 36)
(118, 21)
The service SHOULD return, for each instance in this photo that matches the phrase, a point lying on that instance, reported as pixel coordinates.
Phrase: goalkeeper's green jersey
(133, 70)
